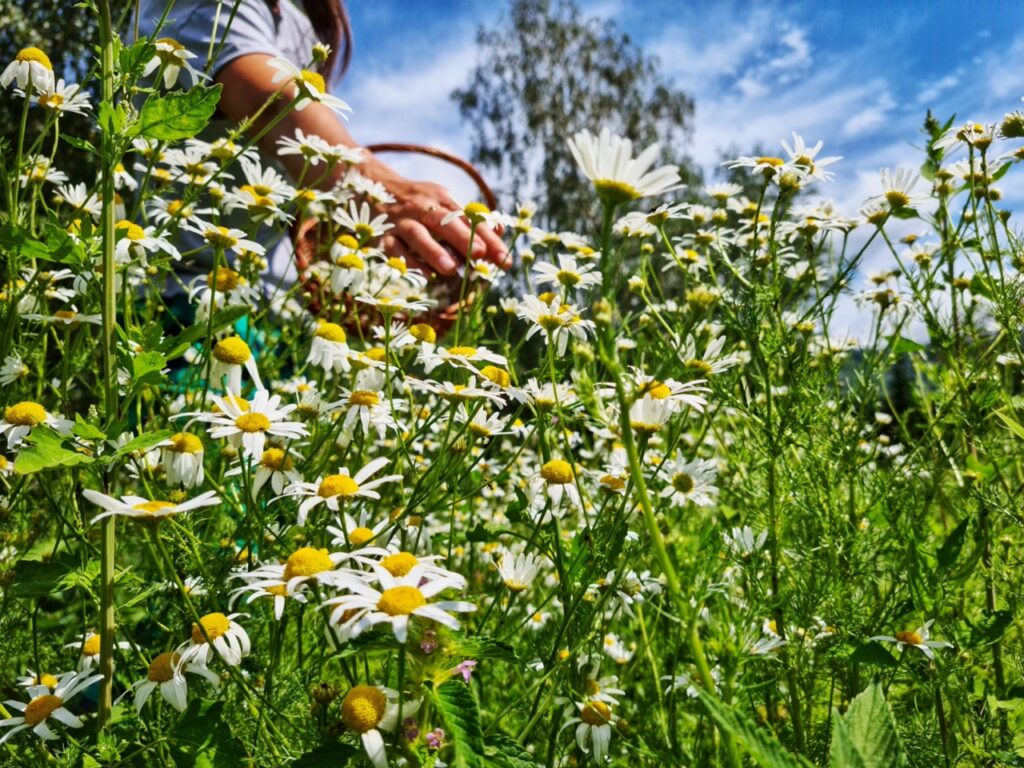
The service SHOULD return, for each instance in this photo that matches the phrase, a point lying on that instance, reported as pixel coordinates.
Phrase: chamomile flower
(46, 706)
(917, 638)
(30, 65)
(311, 86)
(342, 486)
(463, 357)
(366, 404)
(170, 59)
(329, 349)
(247, 424)
(618, 177)
(182, 456)
(143, 509)
(276, 466)
(360, 221)
(593, 727)
(395, 603)
(134, 241)
(65, 98)
(20, 419)
(350, 533)
(518, 571)
(556, 481)
(568, 273)
(806, 158)
(560, 322)
(226, 239)
(369, 709)
(166, 672)
(228, 357)
(267, 583)
(649, 414)
(399, 562)
(216, 635)
(898, 189)
(88, 646)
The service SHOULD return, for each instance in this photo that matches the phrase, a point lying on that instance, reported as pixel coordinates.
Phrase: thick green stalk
(107, 534)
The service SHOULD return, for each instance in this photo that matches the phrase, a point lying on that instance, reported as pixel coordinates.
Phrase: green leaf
(514, 511)
(222, 318)
(147, 362)
(762, 745)
(111, 119)
(326, 756)
(457, 704)
(77, 143)
(86, 430)
(178, 116)
(952, 546)
(143, 442)
(873, 652)
(866, 736)
(901, 345)
(991, 627)
(481, 647)
(506, 752)
(47, 449)
(1010, 422)
(33, 578)
(134, 58)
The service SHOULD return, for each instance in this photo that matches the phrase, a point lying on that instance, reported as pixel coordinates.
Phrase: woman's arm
(419, 206)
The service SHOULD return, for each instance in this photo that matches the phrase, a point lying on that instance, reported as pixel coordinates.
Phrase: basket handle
(440, 154)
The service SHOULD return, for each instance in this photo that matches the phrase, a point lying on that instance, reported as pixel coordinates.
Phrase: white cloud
(937, 88)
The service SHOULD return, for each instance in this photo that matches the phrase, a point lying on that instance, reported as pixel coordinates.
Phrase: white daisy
(618, 177)
(340, 487)
(47, 705)
(144, 510)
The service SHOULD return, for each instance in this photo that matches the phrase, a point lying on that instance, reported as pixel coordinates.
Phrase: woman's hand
(421, 238)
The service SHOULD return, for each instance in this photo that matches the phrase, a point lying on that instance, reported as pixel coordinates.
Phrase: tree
(546, 71)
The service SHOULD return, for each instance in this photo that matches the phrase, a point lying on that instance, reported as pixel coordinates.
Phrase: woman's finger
(497, 251)
(455, 233)
(424, 247)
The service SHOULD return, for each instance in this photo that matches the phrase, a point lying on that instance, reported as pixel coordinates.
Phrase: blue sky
(858, 75)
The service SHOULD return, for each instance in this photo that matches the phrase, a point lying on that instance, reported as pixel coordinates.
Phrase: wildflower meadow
(631, 502)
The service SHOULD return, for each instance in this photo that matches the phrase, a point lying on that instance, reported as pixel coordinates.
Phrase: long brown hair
(331, 23)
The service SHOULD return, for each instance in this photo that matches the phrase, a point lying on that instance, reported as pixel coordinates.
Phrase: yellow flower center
(462, 352)
(910, 637)
(399, 564)
(307, 561)
(363, 231)
(25, 414)
(400, 601)
(276, 459)
(397, 263)
(351, 261)
(682, 482)
(184, 442)
(278, 590)
(337, 485)
(232, 350)
(476, 210)
(131, 230)
(161, 669)
(252, 422)
(897, 199)
(331, 332)
(51, 100)
(91, 646)
(568, 278)
(315, 80)
(423, 332)
(220, 237)
(596, 713)
(774, 162)
(557, 472)
(152, 507)
(40, 708)
(658, 390)
(613, 483)
(47, 679)
(376, 354)
(364, 398)
(359, 536)
(215, 624)
(348, 241)
(65, 314)
(496, 375)
(363, 707)
(226, 279)
(615, 192)
(549, 322)
(171, 43)
(36, 55)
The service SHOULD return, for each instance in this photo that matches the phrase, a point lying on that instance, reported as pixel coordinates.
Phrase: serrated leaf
(45, 450)
(762, 745)
(147, 362)
(135, 57)
(54, 245)
(86, 430)
(866, 736)
(506, 752)
(457, 704)
(481, 647)
(177, 116)
(143, 442)
(177, 345)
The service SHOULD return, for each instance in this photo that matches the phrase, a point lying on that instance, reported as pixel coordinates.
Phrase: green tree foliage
(546, 71)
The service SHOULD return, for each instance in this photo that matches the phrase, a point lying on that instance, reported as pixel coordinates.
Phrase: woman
(244, 36)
